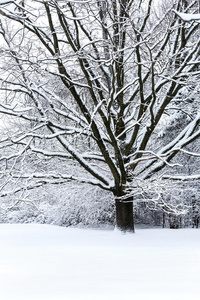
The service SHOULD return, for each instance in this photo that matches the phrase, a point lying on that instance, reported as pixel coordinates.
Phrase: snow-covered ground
(43, 262)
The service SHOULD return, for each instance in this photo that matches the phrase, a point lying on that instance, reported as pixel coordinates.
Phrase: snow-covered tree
(94, 82)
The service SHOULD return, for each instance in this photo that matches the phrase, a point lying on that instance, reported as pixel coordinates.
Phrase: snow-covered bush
(64, 205)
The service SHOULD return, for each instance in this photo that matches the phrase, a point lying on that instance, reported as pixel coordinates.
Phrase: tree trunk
(124, 215)
(173, 222)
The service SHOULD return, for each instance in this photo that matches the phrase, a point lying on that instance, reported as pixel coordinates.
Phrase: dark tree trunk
(163, 220)
(173, 222)
(124, 215)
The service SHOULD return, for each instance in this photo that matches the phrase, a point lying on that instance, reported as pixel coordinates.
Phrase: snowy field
(43, 262)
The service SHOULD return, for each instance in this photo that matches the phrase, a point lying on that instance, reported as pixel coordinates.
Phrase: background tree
(95, 81)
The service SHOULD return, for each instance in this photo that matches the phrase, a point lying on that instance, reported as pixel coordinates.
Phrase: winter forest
(99, 113)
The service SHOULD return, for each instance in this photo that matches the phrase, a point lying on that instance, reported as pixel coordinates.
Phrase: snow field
(43, 262)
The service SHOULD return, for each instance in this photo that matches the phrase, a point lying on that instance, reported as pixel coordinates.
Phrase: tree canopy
(94, 82)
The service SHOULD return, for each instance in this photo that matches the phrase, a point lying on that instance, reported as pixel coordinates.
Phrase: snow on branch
(64, 154)
(153, 156)
(187, 17)
(41, 179)
(190, 153)
(182, 177)
(153, 192)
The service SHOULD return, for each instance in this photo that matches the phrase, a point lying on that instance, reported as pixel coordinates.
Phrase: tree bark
(174, 222)
(124, 215)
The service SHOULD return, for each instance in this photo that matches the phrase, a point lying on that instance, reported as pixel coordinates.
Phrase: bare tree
(94, 81)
